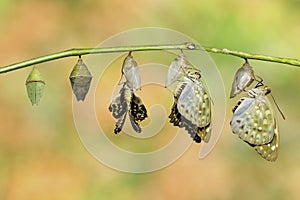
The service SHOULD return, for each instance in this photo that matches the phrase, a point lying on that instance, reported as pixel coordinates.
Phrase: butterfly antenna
(260, 82)
(281, 113)
(259, 79)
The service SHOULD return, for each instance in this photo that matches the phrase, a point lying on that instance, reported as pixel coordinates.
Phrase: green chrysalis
(80, 79)
(35, 86)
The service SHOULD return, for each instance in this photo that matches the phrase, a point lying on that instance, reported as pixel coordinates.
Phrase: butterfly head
(261, 90)
(196, 75)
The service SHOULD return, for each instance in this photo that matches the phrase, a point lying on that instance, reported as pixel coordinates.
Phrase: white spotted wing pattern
(255, 123)
(192, 108)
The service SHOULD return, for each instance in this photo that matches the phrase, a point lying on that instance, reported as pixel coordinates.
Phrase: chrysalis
(192, 108)
(255, 123)
(131, 72)
(127, 102)
(35, 86)
(242, 79)
(80, 79)
(177, 69)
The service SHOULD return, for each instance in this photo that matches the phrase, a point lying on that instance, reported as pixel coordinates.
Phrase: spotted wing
(197, 133)
(137, 112)
(120, 123)
(253, 121)
(178, 120)
(119, 108)
(242, 79)
(137, 109)
(194, 104)
(270, 150)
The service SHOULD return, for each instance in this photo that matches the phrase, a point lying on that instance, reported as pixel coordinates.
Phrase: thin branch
(185, 46)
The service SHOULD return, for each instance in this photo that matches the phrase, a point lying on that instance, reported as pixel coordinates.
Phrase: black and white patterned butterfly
(127, 102)
(192, 104)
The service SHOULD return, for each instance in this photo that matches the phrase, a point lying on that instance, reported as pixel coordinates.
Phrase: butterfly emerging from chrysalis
(131, 72)
(254, 119)
(127, 102)
(191, 109)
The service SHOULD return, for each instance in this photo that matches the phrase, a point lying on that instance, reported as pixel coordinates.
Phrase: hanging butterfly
(177, 69)
(255, 123)
(131, 72)
(242, 79)
(192, 108)
(127, 102)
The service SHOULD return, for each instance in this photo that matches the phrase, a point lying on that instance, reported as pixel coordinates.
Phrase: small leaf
(80, 79)
(35, 86)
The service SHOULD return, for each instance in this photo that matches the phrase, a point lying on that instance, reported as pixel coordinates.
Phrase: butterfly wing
(135, 125)
(253, 121)
(270, 151)
(137, 112)
(119, 108)
(194, 104)
(120, 123)
(177, 120)
(185, 109)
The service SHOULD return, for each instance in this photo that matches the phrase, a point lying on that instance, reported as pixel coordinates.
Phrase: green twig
(186, 46)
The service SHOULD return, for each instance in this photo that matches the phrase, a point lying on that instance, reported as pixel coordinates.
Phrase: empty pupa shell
(131, 72)
(35, 86)
(176, 69)
(80, 79)
(242, 79)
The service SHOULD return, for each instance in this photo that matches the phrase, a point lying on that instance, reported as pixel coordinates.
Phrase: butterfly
(255, 123)
(127, 102)
(131, 72)
(192, 108)
(242, 79)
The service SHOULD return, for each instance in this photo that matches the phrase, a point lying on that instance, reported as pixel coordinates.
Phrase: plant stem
(185, 46)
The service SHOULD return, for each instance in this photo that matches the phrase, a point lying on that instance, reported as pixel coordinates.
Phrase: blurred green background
(41, 156)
